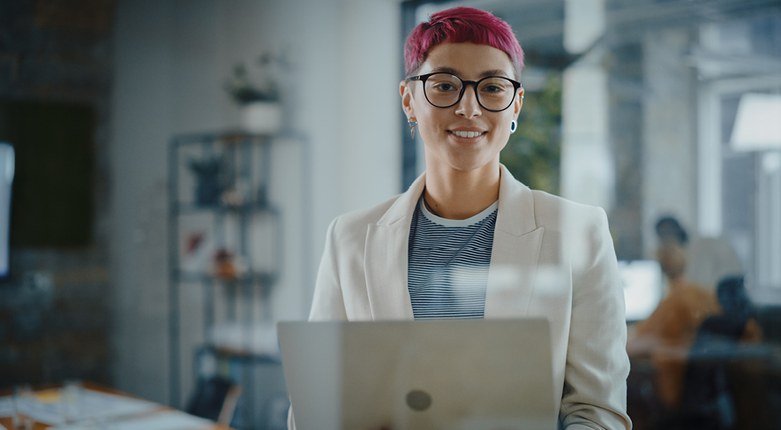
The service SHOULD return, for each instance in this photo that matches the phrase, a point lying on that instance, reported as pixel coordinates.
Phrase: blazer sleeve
(328, 300)
(597, 364)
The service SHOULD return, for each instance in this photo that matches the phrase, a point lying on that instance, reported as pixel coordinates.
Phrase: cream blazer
(551, 258)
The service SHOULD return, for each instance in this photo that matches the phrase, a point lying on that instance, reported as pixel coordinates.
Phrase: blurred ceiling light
(757, 123)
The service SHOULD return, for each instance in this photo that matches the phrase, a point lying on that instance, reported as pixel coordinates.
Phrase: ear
(518, 103)
(405, 91)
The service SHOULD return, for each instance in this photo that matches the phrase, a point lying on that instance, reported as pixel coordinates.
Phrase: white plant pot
(261, 117)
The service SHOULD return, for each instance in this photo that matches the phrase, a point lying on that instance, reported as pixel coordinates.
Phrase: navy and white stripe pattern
(448, 264)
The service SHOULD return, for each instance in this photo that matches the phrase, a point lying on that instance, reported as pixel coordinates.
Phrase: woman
(467, 221)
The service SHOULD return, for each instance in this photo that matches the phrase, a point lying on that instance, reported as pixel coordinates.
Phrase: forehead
(468, 59)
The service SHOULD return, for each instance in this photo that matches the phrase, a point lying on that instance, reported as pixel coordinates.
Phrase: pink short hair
(459, 25)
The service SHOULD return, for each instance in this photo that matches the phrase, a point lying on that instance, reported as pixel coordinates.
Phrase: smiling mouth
(467, 134)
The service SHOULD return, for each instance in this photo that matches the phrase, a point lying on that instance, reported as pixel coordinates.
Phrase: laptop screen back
(449, 374)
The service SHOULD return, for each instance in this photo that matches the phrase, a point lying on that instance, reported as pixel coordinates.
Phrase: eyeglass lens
(493, 93)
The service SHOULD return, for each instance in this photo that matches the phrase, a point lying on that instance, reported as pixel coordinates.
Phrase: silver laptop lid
(444, 374)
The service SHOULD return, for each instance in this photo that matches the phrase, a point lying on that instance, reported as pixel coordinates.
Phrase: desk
(105, 406)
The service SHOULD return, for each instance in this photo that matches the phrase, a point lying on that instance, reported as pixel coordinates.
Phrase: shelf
(263, 278)
(231, 319)
(231, 136)
(192, 208)
(240, 354)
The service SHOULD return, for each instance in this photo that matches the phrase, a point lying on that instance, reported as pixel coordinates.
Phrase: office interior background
(643, 107)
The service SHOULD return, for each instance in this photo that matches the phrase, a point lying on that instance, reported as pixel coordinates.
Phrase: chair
(726, 377)
(215, 399)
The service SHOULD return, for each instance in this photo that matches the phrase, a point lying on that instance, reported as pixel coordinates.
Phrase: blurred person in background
(666, 335)
(708, 259)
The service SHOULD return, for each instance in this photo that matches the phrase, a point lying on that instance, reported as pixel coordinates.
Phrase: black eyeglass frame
(423, 78)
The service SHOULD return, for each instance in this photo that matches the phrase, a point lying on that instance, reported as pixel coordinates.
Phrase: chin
(462, 165)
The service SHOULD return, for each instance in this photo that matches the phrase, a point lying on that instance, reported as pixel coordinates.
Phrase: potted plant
(257, 93)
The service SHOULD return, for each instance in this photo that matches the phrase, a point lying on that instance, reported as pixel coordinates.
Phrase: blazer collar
(404, 206)
(516, 247)
(386, 253)
(516, 206)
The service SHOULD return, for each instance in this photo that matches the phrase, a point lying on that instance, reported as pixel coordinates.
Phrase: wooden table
(8, 421)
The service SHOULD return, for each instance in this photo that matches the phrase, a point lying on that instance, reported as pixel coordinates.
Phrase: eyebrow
(452, 71)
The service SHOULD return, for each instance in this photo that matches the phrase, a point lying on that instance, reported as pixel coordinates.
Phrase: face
(672, 258)
(464, 137)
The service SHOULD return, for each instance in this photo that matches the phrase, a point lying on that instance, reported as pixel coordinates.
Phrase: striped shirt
(448, 263)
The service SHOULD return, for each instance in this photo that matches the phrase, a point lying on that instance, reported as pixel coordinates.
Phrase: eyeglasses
(443, 90)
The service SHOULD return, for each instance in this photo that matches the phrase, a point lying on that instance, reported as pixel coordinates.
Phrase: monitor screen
(643, 287)
(54, 154)
(6, 177)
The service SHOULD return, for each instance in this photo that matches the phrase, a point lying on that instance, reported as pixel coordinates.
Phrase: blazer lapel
(385, 258)
(516, 250)
(511, 277)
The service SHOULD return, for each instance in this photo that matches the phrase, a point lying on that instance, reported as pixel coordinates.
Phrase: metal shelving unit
(225, 237)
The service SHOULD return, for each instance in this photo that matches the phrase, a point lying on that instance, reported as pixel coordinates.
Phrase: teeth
(469, 134)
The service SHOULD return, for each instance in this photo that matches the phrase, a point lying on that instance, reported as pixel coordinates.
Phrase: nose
(468, 107)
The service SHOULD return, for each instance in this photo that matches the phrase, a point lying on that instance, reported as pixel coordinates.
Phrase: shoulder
(696, 292)
(524, 209)
(394, 210)
(555, 213)
(546, 203)
(357, 221)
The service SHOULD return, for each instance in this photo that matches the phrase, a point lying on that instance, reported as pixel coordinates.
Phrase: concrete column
(587, 168)
(669, 132)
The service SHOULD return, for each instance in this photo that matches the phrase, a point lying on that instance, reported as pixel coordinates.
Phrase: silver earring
(412, 125)
(513, 126)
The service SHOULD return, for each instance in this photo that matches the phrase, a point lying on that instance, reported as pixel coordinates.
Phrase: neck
(676, 280)
(460, 195)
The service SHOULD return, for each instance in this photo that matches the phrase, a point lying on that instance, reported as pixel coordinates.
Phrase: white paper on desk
(50, 407)
(6, 407)
(166, 420)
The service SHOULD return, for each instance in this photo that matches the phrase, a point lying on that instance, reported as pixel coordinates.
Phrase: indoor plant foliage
(258, 84)
(533, 153)
(257, 92)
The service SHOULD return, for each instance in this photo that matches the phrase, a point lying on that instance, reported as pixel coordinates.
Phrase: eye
(443, 83)
(494, 86)
(444, 86)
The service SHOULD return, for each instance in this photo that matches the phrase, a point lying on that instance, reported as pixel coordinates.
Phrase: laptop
(438, 374)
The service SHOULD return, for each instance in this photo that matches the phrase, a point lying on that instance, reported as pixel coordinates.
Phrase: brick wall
(54, 313)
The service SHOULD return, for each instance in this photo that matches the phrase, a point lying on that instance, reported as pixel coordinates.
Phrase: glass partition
(666, 114)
